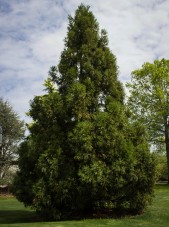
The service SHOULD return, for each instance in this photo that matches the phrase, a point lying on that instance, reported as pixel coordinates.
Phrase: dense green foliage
(149, 101)
(82, 155)
(12, 133)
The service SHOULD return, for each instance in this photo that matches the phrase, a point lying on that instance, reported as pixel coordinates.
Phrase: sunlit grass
(13, 213)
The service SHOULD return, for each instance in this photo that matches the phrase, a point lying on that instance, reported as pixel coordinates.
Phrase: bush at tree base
(83, 156)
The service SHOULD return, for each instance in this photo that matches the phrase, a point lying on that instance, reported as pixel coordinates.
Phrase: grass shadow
(18, 216)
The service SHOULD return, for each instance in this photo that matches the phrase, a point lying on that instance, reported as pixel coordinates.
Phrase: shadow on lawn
(18, 216)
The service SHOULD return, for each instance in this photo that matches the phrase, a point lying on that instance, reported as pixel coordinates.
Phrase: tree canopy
(82, 155)
(149, 100)
(12, 131)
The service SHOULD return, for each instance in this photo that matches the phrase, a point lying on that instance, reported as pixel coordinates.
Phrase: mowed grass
(13, 213)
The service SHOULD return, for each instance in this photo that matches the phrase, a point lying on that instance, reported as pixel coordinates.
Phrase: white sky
(32, 33)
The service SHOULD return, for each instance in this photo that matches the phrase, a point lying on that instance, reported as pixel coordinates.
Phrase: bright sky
(32, 33)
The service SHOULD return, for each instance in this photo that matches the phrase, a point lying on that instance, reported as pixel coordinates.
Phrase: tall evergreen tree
(84, 155)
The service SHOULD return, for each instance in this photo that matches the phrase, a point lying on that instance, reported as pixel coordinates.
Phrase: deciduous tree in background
(149, 101)
(82, 155)
(12, 133)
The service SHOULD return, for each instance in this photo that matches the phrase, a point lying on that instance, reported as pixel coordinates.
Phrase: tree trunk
(167, 142)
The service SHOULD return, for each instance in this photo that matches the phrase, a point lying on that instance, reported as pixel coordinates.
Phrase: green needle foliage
(82, 156)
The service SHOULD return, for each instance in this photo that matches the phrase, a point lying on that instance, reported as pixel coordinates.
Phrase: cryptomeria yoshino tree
(82, 155)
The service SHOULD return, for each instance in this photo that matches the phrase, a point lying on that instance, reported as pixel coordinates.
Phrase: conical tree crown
(83, 29)
(87, 67)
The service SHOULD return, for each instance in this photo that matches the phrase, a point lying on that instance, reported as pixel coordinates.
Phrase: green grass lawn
(13, 213)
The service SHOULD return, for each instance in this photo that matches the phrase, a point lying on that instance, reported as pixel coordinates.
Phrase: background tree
(149, 101)
(161, 166)
(12, 133)
(82, 155)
